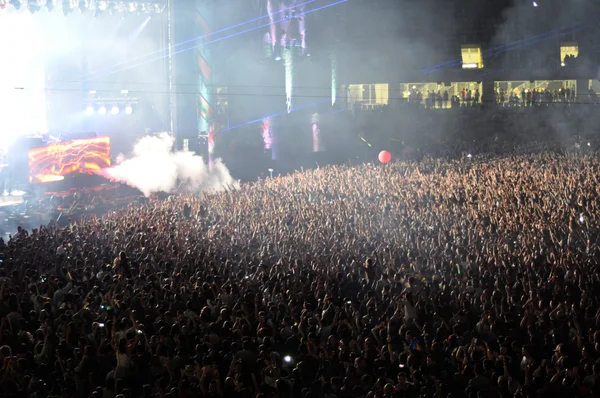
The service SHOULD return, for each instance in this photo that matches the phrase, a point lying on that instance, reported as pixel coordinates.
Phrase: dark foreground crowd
(466, 278)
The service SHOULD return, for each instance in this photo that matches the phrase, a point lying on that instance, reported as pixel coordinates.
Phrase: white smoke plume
(155, 167)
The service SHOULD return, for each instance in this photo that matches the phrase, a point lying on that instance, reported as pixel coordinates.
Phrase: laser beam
(496, 50)
(306, 106)
(225, 37)
(206, 35)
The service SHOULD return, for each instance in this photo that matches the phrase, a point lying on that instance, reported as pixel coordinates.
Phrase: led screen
(53, 162)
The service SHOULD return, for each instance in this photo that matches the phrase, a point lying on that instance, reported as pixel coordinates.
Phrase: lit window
(471, 56)
(568, 51)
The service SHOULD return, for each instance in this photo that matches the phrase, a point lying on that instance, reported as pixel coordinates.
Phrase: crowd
(462, 278)
(500, 130)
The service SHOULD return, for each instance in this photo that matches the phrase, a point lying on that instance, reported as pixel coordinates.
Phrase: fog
(155, 167)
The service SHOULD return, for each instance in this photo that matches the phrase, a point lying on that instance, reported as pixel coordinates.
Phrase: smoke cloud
(155, 167)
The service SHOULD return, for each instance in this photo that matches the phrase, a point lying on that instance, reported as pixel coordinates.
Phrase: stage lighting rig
(110, 105)
(127, 7)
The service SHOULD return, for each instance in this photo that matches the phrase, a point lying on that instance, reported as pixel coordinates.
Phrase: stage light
(129, 109)
(16, 4)
(83, 6)
(114, 110)
(50, 5)
(131, 7)
(102, 110)
(535, 4)
(89, 111)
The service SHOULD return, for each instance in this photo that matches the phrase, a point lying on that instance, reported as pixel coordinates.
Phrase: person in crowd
(469, 278)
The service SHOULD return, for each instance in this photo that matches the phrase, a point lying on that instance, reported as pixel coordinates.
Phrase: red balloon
(385, 156)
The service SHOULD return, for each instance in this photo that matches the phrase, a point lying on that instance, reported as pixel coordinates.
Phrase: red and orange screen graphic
(53, 162)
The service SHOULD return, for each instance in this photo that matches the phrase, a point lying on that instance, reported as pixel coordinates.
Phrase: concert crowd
(475, 277)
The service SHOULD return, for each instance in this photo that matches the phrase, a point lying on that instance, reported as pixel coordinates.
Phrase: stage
(72, 198)
(11, 200)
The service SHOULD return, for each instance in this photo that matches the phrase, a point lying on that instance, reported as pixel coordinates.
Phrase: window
(471, 56)
(568, 51)
(368, 95)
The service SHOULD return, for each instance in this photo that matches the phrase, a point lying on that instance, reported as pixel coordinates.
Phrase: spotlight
(114, 110)
(131, 8)
(16, 4)
(83, 6)
(102, 110)
(562, 64)
(129, 109)
(50, 5)
(535, 4)
(89, 111)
